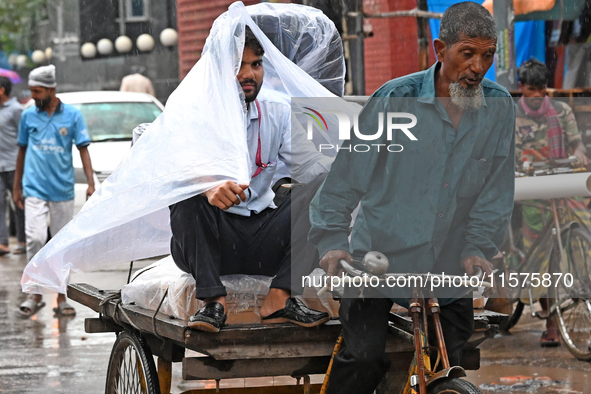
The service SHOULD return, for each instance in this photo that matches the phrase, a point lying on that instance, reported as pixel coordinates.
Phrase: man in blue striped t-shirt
(44, 178)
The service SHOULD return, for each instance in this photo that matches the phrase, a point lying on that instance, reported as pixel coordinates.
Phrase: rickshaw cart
(237, 351)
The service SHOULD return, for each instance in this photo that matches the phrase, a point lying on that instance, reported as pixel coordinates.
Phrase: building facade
(78, 22)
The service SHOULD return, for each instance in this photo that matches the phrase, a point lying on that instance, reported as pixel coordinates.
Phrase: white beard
(466, 99)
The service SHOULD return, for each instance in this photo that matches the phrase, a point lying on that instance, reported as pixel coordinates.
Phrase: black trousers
(362, 362)
(208, 242)
(18, 215)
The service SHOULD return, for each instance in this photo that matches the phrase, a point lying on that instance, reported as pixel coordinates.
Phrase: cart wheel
(453, 386)
(131, 367)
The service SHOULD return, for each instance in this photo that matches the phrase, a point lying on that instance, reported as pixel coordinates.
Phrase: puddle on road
(492, 379)
(45, 353)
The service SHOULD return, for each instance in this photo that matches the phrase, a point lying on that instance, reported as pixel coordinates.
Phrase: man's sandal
(4, 250)
(29, 307)
(550, 338)
(64, 309)
(20, 249)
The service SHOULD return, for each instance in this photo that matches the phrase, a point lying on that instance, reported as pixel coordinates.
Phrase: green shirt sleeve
(345, 185)
(569, 125)
(490, 215)
(518, 145)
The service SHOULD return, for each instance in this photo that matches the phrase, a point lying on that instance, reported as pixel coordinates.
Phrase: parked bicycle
(565, 243)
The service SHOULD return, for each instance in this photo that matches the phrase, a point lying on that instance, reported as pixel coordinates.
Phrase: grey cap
(43, 76)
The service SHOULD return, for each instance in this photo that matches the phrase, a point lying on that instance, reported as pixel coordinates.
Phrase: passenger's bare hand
(330, 261)
(226, 195)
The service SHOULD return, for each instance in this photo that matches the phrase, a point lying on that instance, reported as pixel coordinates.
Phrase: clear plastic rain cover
(198, 141)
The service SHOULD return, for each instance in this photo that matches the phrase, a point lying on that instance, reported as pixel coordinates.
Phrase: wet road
(46, 354)
(518, 356)
(49, 355)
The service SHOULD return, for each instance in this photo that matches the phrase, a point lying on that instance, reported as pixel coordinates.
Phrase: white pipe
(553, 186)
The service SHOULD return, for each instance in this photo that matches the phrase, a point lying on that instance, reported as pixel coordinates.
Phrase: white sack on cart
(148, 287)
(198, 142)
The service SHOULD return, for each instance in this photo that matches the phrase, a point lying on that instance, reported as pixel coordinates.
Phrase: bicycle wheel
(512, 263)
(131, 367)
(453, 386)
(571, 294)
(513, 296)
(514, 318)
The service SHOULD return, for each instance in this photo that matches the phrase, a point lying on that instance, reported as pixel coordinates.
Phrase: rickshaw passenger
(238, 229)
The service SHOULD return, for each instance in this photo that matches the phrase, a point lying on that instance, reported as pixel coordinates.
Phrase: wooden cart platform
(240, 351)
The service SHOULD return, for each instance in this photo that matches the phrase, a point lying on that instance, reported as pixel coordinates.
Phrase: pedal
(542, 315)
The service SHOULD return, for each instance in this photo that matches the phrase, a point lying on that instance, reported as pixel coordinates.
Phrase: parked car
(110, 117)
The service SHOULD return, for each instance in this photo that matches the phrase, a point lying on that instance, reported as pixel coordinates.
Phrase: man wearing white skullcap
(43, 76)
(44, 177)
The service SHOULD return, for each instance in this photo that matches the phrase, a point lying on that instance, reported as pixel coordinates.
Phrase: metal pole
(121, 17)
(356, 47)
(60, 29)
(337, 348)
(416, 310)
(505, 56)
(423, 28)
(415, 13)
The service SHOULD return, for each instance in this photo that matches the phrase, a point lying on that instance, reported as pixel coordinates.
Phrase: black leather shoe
(210, 318)
(296, 312)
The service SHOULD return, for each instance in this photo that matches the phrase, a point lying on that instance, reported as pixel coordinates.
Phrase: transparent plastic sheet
(198, 142)
(148, 286)
(308, 38)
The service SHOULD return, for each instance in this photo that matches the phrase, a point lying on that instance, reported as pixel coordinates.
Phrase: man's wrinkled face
(464, 65)
(251, 74)
(41, 96)
(534, 95)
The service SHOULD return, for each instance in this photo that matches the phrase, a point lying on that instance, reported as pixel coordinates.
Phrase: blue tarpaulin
(529, 36)
(4, 61)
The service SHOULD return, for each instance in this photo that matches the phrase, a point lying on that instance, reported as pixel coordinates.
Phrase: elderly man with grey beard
(440, 204)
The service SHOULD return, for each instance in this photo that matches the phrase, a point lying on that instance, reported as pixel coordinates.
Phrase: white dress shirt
(284, 154)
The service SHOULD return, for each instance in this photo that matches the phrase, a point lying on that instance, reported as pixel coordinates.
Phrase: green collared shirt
(445, 196)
